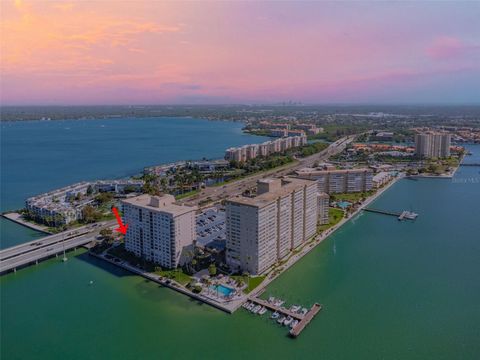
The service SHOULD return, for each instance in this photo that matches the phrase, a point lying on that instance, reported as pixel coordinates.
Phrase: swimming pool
(344, 204)
(223, 290)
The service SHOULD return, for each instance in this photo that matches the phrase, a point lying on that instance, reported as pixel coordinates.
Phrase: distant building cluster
(432, 145)
(264, 229)
(66, 204)
(384, 136)
(159, 229)
(339, 181)
(289, 129)
(203, 166)
(247, 152)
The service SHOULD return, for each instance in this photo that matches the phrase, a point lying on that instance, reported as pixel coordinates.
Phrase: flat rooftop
(164, 204)
(310, 171)
(288, 186)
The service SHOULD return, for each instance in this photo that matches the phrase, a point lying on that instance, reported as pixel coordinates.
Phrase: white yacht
(262, 311)
(295, 308)
(256, 309)
(275, 315)
(293, 324)
(288, 321)
(281, 319)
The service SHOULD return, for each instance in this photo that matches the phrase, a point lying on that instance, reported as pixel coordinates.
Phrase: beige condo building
(158, 228)
(339, 181)
(264, 229)
(432, 145)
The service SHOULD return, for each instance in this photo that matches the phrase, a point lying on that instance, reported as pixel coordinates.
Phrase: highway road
(217, 193)
(39, 249)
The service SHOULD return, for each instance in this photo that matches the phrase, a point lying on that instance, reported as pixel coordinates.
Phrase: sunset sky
(153, 52)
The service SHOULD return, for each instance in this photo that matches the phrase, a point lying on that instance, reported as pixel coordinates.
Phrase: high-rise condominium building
(432, 145)
(264, 229)
(158, 228)
(323, 202)
(339, 181)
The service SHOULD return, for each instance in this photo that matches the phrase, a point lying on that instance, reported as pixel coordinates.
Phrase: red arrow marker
(121, 228)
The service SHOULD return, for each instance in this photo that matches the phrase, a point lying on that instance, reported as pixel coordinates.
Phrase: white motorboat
(271, 299)
(295, 308)
(288, 321)
(251, 306)
(262, 311)
(275, 315)
(304, 311)
(293, 324)
(281, 319)
(256, 309)
(246, 304)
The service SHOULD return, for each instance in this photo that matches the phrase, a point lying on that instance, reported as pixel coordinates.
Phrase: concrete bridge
(34, 251)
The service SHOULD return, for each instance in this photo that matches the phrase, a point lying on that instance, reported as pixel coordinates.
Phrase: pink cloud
(446, 47)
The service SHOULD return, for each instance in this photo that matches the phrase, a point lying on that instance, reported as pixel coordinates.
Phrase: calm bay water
(38, 156)
(391, 290)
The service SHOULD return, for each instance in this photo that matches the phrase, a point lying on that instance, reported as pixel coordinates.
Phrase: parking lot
(210, 226)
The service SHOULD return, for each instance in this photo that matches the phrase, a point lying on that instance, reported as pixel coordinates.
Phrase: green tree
(104, 197)
(90, 215)
(212, 270)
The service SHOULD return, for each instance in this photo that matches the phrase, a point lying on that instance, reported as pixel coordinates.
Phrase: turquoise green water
(390, 290)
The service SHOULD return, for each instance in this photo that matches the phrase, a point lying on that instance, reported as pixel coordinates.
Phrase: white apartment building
(158, 228)
(264, 229)
(339, 181)
(247, 152)
(432, 145)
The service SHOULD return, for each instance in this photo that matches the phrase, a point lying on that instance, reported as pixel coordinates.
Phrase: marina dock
(304, 320)
(404, 215)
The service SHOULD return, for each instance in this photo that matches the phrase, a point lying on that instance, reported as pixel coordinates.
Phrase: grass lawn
(334, 217)
(178, 275)
(351, 197)
(187, 194)
(254, 282)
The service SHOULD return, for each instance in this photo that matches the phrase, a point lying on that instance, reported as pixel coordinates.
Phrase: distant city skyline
(143, 52)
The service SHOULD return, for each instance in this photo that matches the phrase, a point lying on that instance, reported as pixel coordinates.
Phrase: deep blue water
(38, 156)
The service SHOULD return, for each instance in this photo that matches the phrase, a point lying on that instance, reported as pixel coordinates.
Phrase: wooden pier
(306, 320)
(404, 215)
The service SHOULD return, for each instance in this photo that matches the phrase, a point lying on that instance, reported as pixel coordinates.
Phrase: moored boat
(256, 309)
(288, 321)
(262, 311)
(281, 319)
(275, 315)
